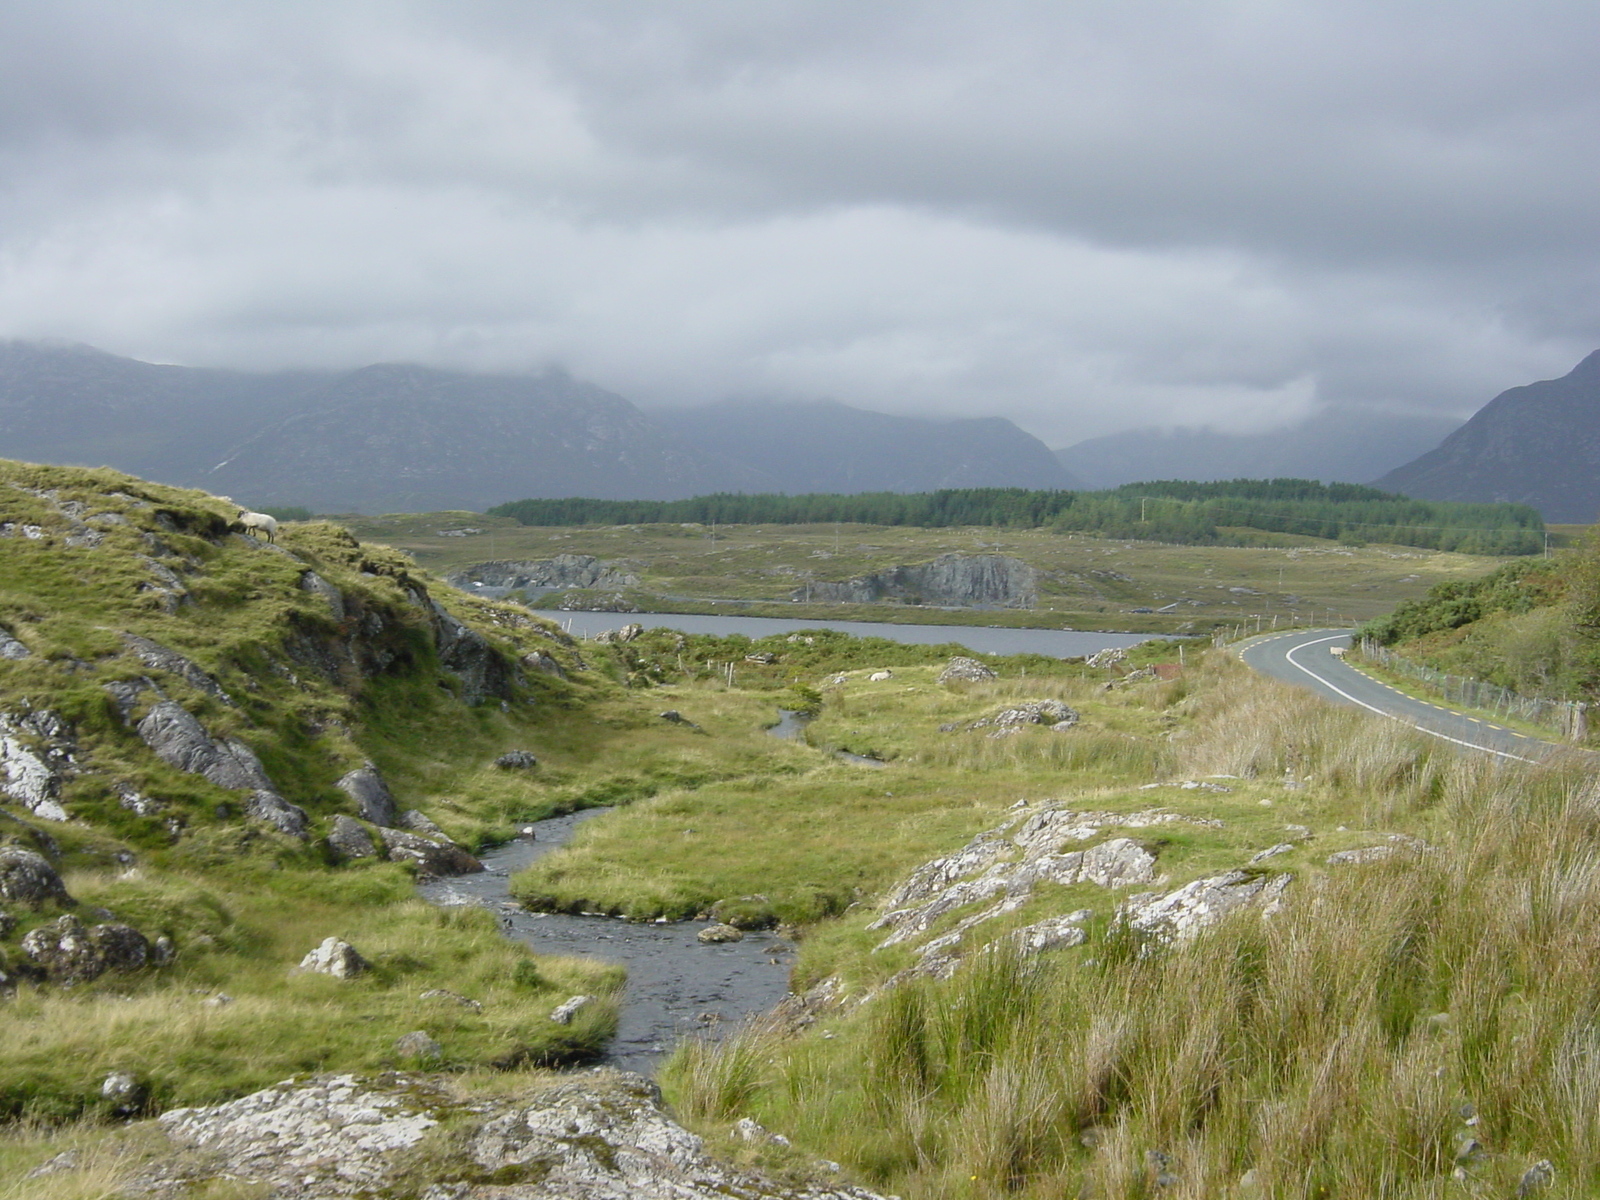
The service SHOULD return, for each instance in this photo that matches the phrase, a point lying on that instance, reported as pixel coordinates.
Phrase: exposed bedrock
(995, 579)
(562, 571)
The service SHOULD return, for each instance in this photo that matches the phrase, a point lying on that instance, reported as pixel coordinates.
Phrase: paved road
(1306, 657)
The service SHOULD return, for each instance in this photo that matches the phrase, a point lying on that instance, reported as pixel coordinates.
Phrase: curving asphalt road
(1307, 658)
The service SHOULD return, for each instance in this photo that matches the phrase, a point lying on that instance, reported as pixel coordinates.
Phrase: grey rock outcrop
(1013, 718)
(961, 669)
(177, 738)
(467, 655)
(1005, 864)
(373, 802)
(11, 648)
(70, 954)
(963, 579)
(517, 760)
(1180, 914)
(713, 934)
(432, 857)
(268, 807)
(36, 756)
(620, 637)
(335, 957)
(27, 877)
(598, 1135)
(349, 839)
(157, 657)
(561, 572)
(544, 663)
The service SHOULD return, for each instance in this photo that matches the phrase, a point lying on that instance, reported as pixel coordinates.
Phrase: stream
(676, 984)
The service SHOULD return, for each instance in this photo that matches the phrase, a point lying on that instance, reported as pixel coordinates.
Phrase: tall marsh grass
(1420, 1026)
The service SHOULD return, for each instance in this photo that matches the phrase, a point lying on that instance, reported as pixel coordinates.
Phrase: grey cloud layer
(1083, 216)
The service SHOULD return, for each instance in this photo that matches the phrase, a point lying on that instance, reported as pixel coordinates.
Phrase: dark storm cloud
(1083, 216)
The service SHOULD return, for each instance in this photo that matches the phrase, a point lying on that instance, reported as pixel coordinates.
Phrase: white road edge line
(1289, 657)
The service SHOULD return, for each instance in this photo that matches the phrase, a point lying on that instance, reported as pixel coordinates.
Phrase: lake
(1058, 643)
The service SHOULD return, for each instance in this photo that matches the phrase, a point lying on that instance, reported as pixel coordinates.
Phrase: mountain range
(1335, 445)
(1538, 444)
(394, 438)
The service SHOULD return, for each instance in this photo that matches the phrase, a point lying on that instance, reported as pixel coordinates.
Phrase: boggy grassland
(1412, 1019)
(1085, 582)
(1416, 1020)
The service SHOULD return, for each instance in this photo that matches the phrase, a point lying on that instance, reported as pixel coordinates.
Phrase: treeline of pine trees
(1164, 511)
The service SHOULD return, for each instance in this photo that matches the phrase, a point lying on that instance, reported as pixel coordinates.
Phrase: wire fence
(1568, 718)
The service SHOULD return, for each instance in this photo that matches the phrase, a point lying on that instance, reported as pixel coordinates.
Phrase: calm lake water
(1059, 643)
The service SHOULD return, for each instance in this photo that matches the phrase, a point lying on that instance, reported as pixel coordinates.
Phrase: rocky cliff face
(1537, 445)
(962, 579)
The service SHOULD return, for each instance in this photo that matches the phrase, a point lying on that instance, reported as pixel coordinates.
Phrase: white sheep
(251, 522)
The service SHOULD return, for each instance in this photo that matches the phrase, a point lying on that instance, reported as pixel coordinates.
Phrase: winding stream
(676, 984)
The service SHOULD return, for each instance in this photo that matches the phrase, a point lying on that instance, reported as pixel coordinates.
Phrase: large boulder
(371, 795)
(162, 658)
(28, 878)
(334, 957)
(70, 954)
(432, 857)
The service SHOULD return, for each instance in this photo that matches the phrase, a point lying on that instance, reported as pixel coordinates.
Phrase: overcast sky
(1084, 215)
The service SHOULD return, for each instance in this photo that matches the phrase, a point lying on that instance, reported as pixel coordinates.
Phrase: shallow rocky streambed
(677, 985)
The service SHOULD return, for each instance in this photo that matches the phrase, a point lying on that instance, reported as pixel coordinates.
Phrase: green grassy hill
(130, 615)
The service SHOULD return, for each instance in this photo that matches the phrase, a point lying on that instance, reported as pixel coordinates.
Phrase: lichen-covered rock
(349, 839)
(628, 633)
(713, 934)
(335, 957)
(598, 1135)
(69, 954)
(371, 795)
(1108, 657)
(36, 756)
(125, 1093)
(432, 857)
(28, 878)
(1180, 914)
(11, 648)
(517, 760)
(961, 669)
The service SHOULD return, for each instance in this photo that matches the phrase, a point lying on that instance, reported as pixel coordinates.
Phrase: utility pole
(1143, 500)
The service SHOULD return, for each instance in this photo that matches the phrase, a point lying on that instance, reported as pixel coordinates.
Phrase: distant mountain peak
(1537, 444)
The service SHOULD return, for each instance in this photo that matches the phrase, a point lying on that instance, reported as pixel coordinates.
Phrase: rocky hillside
(1538, 444)
(222, 758)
